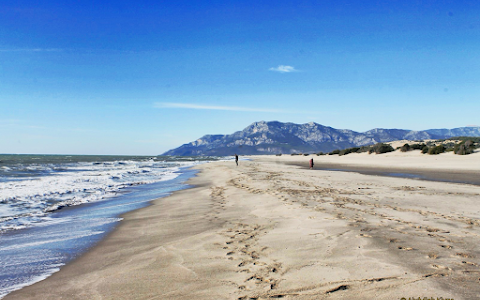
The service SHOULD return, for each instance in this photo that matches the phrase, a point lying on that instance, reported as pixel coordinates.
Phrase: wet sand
(460, 169)
(268, 229)
(467, 177)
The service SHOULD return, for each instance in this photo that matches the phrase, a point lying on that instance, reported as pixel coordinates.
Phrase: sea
(53, 208)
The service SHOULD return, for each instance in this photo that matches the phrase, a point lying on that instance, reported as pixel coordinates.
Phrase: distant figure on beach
(236, 159)
(311, 163)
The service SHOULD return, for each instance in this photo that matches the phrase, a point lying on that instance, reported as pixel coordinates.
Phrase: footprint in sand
(405, 248)
(464, 255)
(440, 267)
(364, 235)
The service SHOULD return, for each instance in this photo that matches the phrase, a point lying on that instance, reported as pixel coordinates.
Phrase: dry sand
(267, 229)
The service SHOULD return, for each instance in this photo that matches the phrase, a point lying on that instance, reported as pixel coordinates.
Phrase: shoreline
(93, 222)
(267, 229)
(118, 242)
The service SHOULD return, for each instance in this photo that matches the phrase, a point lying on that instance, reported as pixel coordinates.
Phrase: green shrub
(405, 148)
(417, 146)
(348, 150)
(337, 151)
(436, 149)
(364, 149)
(440, 149)
(464, 148)
(469, 145)
(425, 149)
(460, 149)
(381, 148)
(320, 153)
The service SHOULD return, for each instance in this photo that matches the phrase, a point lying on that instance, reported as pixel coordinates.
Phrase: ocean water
(54, 207)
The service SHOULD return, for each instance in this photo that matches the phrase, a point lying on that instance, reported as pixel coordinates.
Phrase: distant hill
(277, 137)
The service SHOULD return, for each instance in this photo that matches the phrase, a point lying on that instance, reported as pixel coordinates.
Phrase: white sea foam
(28, 200)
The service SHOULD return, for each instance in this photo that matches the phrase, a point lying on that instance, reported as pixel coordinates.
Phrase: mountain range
(276, 137)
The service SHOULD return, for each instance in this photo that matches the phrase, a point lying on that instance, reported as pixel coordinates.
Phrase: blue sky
(142, 77)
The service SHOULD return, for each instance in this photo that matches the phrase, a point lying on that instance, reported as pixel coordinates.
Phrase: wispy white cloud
(283, 69)
(212, 107)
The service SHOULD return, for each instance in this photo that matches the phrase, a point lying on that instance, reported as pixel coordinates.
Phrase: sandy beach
(271, 228)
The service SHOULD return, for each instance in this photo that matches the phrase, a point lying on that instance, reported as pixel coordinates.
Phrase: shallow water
(406, 175)
(34, 253)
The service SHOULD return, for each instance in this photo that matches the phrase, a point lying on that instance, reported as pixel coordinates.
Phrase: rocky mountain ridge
(276, 137)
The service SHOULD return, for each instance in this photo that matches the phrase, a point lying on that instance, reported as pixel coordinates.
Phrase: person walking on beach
(311, 163)
(236, 159)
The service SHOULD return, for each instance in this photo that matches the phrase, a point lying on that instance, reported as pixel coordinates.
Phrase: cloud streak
(212, 107)
(283, 69)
